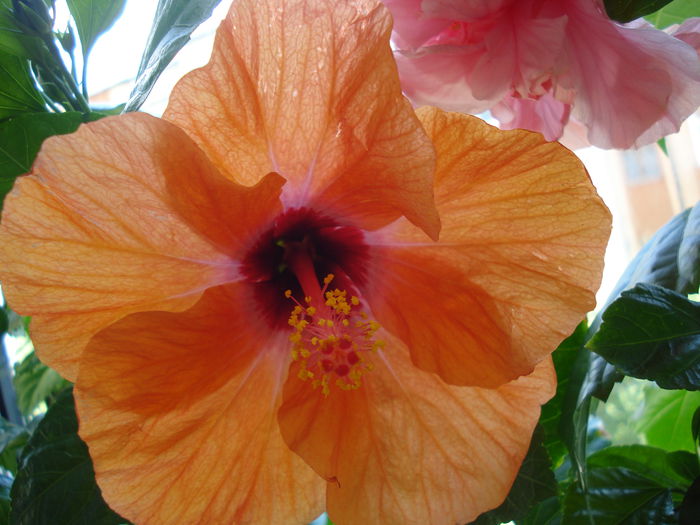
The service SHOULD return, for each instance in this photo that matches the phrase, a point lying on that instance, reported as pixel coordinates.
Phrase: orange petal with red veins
(407, 447)
(309, 89)
(99, 230)
(178, 411)
(519, 259)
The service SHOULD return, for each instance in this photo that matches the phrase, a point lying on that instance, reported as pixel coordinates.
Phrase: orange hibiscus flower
(293, 293)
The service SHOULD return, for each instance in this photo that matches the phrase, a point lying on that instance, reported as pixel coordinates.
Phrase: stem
(73, 92)
(84, 82)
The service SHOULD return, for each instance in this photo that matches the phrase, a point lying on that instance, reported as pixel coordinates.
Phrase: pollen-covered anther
(332, 341)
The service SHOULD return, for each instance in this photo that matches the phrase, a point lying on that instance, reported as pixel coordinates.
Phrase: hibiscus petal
(546, 115)
(97, 231)
(467, 10)
(689, 32)
(517, 264)
(178, 411)
(309, 89)
(635, 84)
(411, 28)
(408, 448)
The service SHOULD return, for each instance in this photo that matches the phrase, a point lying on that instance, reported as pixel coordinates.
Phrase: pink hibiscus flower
(541, 64)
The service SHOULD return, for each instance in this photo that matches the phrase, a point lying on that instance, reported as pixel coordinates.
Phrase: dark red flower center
(333, 248)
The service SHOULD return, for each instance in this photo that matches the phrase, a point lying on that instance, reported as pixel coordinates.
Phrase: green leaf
(667, 419)
(674, 13)
(35, 382)
(554, 415)
(652, 333)
(55, 484)
(573, 425)
(628, 10)
(662, 144)
(535, 482)
(12, 440)
(695, 424)
(671, 259)
(689, 254)
(12, 39)
(17, 91)
(5, 486)
(94, 17)
(174, 22)
(21, 137)
(653, 463)
(547, 512)
(618, 495)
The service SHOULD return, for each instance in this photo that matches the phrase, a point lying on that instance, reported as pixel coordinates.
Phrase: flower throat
(332, 338)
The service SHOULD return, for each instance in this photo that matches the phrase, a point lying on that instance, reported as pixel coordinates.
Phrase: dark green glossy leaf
(94, 17)
(666, 422)
(618, 495)
(573, 426)
(652, 333)
(554, 416)
(35, 382)
(684, 463)
(675, 13)
(55, 484)
(12, 440)
(21, 137)
(17, 91)
(547, 512)
(174, 22)
(672, 471)
(628, 10)
(535, 482)
(12, 39)
(5, 486)
(669, 259)
(689, 254)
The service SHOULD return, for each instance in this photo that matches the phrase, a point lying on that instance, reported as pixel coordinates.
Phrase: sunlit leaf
(628, 10)
(94, 17)
(21, 137)
(667, 419)
(55, 483)
(17, 91)
(12, 439)
(174, 22)
(35, 382)
(674, 13)
(653, 333)
(535, 482)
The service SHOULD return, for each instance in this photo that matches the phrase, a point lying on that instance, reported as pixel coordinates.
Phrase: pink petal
(635, 84)
(463, 9)
(546, 114)
(689, 32)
